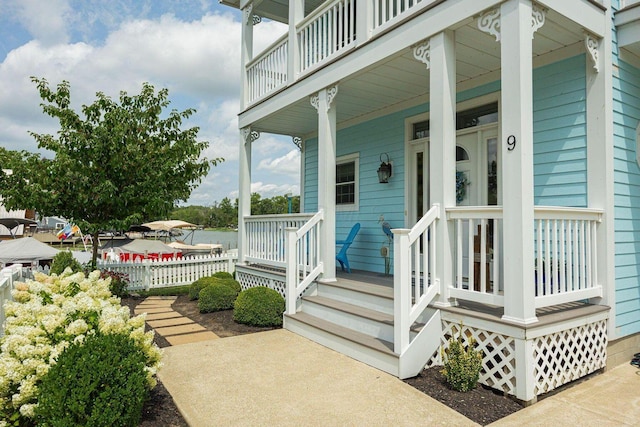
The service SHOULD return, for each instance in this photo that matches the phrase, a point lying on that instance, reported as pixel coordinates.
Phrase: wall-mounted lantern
(384, 171)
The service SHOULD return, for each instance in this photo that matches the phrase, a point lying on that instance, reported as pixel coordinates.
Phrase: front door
(477, 165)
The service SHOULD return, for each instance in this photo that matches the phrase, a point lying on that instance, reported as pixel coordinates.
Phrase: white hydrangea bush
(46, 316)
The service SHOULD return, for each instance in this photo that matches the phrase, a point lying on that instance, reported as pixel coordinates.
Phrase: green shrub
(198, 285)
(461, 366)
(259, 306)
(216, 297)
(100, 382)
(203, 282)
(223, 275)
(62, 260)
(233, 284)
(119, 282)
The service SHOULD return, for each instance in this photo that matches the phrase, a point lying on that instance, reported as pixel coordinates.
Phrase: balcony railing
(323, 35)
(565, 251)
(268, 72)
(327, 31)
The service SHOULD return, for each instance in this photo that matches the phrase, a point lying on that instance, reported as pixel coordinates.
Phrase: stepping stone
(152, 310)
(182, 329)
(167, 315)
(189, 338)
(161, 298)
(155, 304)
(174, 321)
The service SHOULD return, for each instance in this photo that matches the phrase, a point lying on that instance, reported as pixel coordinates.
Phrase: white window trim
(353, 157)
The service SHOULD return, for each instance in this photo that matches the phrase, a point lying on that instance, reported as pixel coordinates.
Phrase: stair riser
(384, 362)
(374, 302)
(352, 321)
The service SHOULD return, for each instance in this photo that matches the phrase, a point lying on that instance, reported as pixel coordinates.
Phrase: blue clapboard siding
(626, 106)
(559, 157)
(560, 136)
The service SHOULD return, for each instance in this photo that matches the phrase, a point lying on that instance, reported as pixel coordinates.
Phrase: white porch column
(327, 177)
(442, 151)
(517, 160)
(296, 14)
(246, 53)
(247, 136)
(600, 161)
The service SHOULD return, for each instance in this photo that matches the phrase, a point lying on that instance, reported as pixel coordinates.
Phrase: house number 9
(511, 142)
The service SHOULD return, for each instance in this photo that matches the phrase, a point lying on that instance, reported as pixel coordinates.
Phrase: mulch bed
(482, 405)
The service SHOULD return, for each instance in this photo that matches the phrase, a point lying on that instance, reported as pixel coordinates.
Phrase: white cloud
(109, 47)
(270, 190)
(289, 164)
(47, 20)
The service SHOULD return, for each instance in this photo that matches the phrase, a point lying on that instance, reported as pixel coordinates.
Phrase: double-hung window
(347, 182)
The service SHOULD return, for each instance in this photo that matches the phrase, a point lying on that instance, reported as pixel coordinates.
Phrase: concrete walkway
(609, 399)
(277, 378)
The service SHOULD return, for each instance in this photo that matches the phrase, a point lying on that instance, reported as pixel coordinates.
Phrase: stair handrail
(302, 252)
(407, 259)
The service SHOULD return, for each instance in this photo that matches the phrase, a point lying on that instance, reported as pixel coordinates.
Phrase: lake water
(228, 239)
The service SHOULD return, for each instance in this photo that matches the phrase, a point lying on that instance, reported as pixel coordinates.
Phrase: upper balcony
(379, 37)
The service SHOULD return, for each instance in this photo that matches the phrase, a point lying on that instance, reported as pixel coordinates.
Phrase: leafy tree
(199, 215)
(115, 164)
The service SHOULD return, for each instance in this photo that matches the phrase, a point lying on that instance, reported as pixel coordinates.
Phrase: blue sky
(190, 47)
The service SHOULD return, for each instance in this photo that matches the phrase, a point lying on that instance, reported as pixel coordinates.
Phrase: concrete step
(366, 295)
(365, 320)
(360, 346)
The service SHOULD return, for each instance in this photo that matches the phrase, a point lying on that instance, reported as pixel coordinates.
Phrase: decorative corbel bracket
(593, 48)
(538, 17)
(489, 21)
(249, 17)
(250, 135)
(422, 52)
(298, 141)
(332, 91)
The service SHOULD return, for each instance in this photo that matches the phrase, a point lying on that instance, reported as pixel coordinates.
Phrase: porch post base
(519, 321)
(444, 304)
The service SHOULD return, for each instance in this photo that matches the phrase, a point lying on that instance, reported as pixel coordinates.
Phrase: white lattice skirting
(567, 355)
(248, 280)
(559, 357)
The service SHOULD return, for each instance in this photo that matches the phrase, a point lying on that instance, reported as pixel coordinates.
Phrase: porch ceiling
(401, 81)
(277, 10)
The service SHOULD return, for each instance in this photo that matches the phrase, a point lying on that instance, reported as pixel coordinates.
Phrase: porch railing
(477, 268)
(268, 72)
(565, 251)
(8, 276)
(265, 237)
(415, 280)
(303, 258)
(566, 255)
(326, 31)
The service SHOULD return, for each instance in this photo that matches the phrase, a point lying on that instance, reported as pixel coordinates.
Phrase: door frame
(412, 146)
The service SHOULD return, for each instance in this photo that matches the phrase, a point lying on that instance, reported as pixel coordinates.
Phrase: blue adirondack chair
(341, 256)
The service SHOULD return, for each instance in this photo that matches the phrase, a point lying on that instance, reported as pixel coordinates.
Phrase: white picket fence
(148, 274)
(8, 276)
